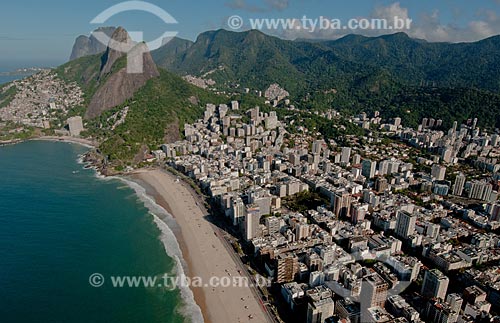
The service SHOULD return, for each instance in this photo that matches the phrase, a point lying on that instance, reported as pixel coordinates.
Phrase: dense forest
(393, 74)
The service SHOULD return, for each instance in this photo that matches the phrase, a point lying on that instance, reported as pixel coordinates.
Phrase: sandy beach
(75, 140)
(204, 252)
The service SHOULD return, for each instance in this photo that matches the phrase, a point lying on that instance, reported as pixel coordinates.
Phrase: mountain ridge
(90, 45)
(362, 71)
(153, 105)
(409, 60)
(113, 89)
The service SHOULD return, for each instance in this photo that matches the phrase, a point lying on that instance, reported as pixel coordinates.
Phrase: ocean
(12, 65)
(9, 78)
(60, 223)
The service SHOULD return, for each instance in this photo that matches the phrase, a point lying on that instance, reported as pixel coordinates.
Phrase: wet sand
(204, 252)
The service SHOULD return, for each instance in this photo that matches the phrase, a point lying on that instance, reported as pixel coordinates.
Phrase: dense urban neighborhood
(365, 221)
(250, 161)
(398, 225)
(39, 101)
(347, 216)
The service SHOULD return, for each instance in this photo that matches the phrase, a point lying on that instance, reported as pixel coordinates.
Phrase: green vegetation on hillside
(157, 112)
(7, 95)
(393, 74)
(84, 71)
(12, 131)
(162, 102)
(449, 104)
(336, 129)
(256, 59)
(355, 73)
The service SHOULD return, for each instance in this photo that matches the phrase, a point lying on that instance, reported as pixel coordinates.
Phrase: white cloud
(268, 5)
(243, 5)
(431, 29)
(389, 12)
(429, 26)
(380, 12)
(278, 4)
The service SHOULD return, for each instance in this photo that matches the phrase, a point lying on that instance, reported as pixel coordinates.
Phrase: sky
(41, 33)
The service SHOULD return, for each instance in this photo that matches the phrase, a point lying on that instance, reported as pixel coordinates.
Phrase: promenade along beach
(204, 252)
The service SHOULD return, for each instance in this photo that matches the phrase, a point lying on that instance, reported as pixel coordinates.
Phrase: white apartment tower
(405, 224)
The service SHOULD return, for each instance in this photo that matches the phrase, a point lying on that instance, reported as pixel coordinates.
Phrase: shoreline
(203, 251)
(11, 142)
(202, 254)
(168, 227)
(67, 139)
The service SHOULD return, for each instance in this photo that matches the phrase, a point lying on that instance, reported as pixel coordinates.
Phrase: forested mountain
(129, 114)
(358, 72)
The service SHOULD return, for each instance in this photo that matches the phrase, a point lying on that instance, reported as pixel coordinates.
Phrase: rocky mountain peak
(90, 45)
(119, 44)
(121, 85)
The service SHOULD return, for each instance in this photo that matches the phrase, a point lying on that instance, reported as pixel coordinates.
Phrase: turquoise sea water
(10, 78)
(59, 224)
